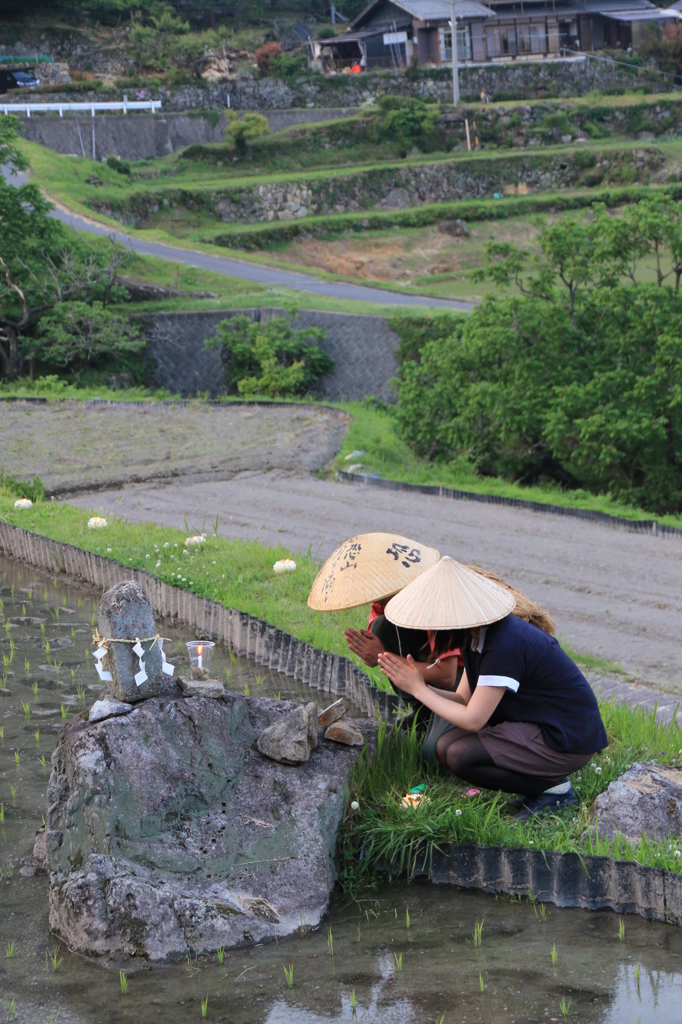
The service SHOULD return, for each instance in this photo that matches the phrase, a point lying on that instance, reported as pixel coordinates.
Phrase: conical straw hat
(449, 596)
(525, 607)
(369, 567)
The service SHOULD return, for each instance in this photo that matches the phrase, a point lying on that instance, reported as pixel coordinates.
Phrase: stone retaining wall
(516, 80)
(247, 635)
(139, 136)
(364, 350)
(397, 187)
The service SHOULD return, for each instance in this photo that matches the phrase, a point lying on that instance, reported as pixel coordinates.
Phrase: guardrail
(39, 108)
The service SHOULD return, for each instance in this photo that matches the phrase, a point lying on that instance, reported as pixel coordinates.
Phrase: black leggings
(467, 758)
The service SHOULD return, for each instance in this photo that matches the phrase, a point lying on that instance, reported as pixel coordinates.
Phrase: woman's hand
(365, 644)
(403, 673)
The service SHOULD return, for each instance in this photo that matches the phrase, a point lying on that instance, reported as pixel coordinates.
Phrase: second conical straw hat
(369, 567)
(449, 596)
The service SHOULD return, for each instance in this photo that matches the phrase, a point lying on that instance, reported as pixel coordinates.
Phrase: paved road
(615, 595)
(270, 276)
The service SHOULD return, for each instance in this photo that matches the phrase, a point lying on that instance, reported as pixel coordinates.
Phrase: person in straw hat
(369, 569)
(523, 717)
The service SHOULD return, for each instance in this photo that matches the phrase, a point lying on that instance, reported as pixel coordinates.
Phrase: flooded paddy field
(397, 954)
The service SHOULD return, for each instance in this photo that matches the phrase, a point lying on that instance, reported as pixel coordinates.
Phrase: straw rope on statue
(141, 676)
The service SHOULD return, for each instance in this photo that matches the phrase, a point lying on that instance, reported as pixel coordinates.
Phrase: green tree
(74, 335)
(40, 263)
(273, 358)
(239, 131)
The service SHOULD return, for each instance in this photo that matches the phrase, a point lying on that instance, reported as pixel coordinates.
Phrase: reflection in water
(47, 670)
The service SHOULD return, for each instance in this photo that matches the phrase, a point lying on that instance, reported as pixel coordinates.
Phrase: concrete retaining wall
(144, 136)
(364, 350)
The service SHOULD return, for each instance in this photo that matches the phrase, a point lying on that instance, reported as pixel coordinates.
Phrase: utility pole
(455, 69)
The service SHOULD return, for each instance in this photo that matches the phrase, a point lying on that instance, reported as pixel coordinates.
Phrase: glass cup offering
(200, 652)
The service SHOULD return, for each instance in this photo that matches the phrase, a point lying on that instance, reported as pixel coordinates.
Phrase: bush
(75, 335)
(407, 122)
(271, 359)
(121, 166)
(251, 126)
(33, 489)
(265, 54)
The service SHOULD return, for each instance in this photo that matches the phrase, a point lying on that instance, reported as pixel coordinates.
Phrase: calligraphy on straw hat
(369, 567)
(449, 595)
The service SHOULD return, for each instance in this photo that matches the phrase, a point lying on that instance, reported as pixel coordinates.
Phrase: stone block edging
(564, 879)
(619, 522)
(246, 634)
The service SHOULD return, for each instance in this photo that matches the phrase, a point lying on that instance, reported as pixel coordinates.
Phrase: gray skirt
(517, 746)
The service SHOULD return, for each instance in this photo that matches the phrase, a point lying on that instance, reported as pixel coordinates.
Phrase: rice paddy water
(402, 954)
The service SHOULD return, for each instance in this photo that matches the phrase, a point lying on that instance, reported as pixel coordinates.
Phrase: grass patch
(383, 834)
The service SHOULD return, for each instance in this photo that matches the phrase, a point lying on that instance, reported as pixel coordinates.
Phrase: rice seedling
(289, 975)
(353, 1003)
(34, 687)
(221, 955)
(204, 1007)
(123, 978)
(17, 758)
(555, 955)
(93, 620)
(27, 666)
(42, 628)
(80, 604)
(278, 695)
(564, 1006)
(233, 658)
(73, 633)
(441, 1019)
(13, 791)
(480, 980)
(53, 960)
(10, 869)
(621, 930)
(407, 917)
(478, 933)
(73, 674)
(47, 647)
(26, 705)
(10, 950)
(330, 942)
(11, 1006)
(36, 737)
(80, 690)
(247, 691)
(2, 814)
(2, 734)
(64, 711)
(42, 760)
(398, 957)
(259, 681)
(57, 666)
(228, 673)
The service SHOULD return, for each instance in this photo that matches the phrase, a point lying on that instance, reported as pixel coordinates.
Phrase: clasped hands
(403, 672)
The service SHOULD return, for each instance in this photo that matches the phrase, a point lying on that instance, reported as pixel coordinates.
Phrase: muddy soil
(75, 444)
(615, 595)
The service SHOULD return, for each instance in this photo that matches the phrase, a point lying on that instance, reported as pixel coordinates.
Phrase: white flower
(158, 564)
(531, 842)
(167, 544)
(193, 542)
(23, 503)
(458, 813)
(185, 552)
(214, 562)
(146, 556)
(184, 579)
(284, 565)
(96, 523)
(355, 806)
(598, 770)
(109, 549)
(678, 853)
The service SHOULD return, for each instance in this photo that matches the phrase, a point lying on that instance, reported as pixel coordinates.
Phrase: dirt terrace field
(73, 445)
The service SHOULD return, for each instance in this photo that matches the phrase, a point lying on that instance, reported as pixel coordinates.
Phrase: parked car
(17, 80)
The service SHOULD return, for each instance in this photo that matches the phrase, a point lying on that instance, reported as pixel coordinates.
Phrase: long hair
(445, 640)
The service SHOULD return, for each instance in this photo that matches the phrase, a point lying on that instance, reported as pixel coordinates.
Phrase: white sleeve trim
(507, 681)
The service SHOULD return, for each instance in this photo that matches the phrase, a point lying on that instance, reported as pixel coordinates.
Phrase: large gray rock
(125, 612)
(168, 831)
(292, 738)
(646, 800)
